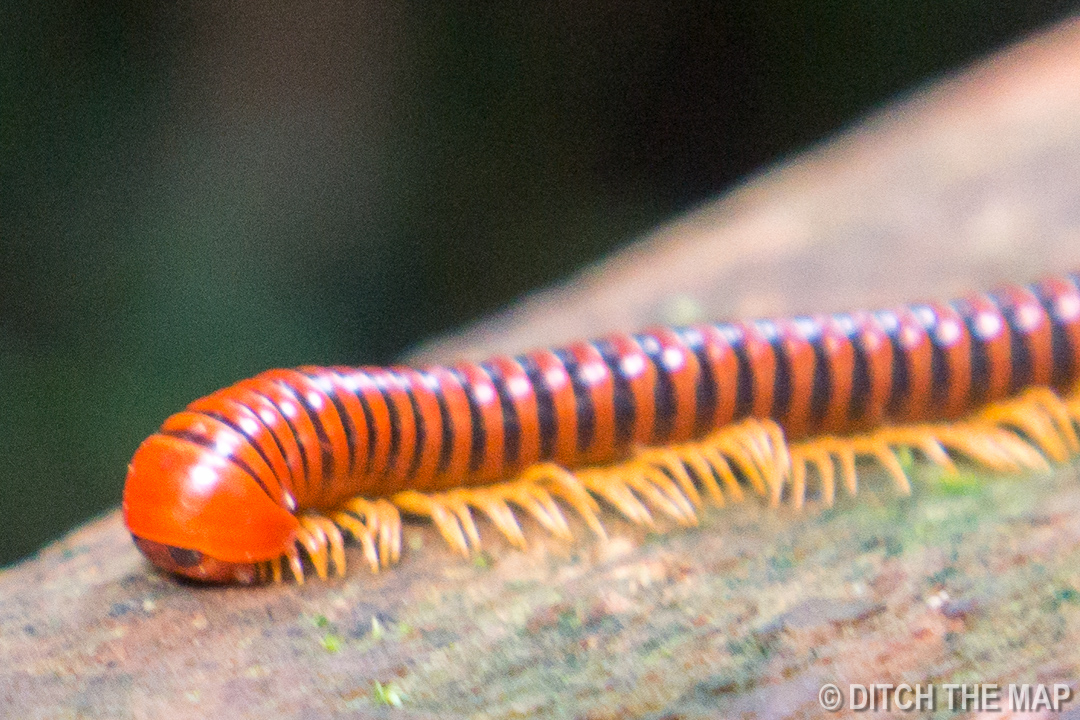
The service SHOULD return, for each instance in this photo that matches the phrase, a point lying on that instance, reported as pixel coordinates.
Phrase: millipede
(264, 480)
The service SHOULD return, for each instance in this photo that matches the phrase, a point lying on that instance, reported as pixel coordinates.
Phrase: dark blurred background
(193, 192)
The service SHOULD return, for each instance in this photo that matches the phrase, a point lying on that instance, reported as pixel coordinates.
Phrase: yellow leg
(1015, 435)
(369, 521)
(376, 525)
(663, 479)
(534, 492)
(1009, 436)
(320, 539)
(1043, 417)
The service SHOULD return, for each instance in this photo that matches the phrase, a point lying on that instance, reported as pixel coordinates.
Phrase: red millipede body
(270, 470)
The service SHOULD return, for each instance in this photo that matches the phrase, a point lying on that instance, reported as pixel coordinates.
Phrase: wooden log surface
(969, 183)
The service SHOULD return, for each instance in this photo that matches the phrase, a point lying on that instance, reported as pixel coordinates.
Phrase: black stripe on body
(545, 407)
(380, 381)
(419, 424)
(369, 420)
(274, 437)
(1061, 347)
(1019, 355)
(447, 447)
(663, 390)
(859, 400)
(330, 391)
(979, 390)
(782, 379)
(296, 437)
(939, 363)
(476, 423)
(226, 420)
(744, 385)
(510, 421)
(900, 380)
(205, 442)
(705, 393)
(320, 431)
(821, 389)
(622, 397)
(583, 404)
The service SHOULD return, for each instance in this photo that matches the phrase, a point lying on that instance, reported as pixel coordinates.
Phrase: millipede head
(198, 514)
(196, 565)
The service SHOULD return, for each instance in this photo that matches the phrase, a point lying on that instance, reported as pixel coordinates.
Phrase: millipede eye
(183, 557)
